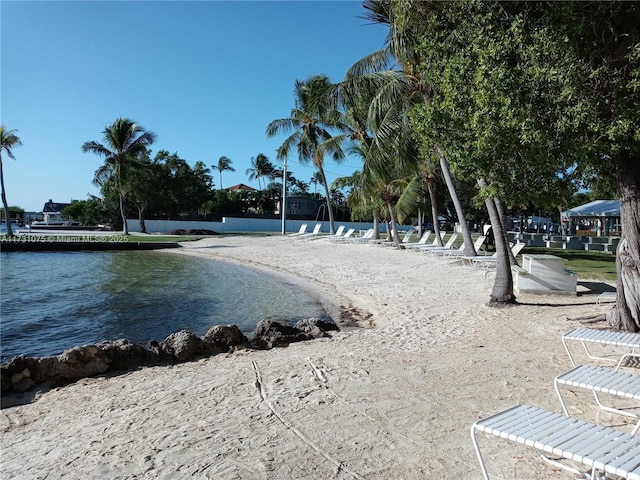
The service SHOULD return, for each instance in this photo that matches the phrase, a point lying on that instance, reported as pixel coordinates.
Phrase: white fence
(232, 224)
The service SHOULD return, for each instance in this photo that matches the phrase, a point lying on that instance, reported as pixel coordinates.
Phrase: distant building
(52, 206)
(242, 186)
(303, 207)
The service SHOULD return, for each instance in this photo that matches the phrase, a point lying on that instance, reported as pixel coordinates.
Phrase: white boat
(53, 220)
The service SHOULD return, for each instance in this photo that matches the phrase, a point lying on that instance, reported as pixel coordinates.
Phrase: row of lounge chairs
(448, 250)
(579, 446)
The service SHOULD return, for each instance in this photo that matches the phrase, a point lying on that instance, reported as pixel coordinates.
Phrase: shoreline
(395, 400)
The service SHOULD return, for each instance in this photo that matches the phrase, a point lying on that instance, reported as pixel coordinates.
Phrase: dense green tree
(528, 90)
(491, 112)
(182, 189)
(124, 142)
(93, 211)
(603, 39)
(8, 140)
(310, 126)
(143, 189)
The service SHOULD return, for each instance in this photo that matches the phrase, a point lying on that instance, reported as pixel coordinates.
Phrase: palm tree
(224, 163)
(260, 168)
(316, 179)
(309, 125)
(8, 140)
(124, 142)
(405, 85)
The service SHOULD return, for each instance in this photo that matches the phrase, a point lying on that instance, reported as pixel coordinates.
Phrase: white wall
(231, 224)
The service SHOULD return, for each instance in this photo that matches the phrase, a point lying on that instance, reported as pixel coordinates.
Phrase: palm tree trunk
(502, 216)
(125, 227)
(376, 227)
(394, 225)
(434, 212)
(502, 293)
(466, 233)
(332, 227)
(4, 202)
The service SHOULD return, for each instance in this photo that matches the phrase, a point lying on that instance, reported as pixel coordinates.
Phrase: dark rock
(270, 334)
(78, 362)
(163, 352)
(184, 344)
(23, 373)
(316, 328)
(221, 338)
(125, 355)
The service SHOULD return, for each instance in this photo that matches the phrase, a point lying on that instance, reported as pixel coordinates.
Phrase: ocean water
(52, 301)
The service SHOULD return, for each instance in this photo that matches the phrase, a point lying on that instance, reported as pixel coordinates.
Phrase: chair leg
(485, 474)
(564, 406)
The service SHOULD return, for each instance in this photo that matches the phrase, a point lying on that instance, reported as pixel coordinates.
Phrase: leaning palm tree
(405, 85)
(224, 163)
(8, 140)
(310, 124)
(124, 141)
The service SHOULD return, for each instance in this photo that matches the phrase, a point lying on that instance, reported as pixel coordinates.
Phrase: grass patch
(588, 265)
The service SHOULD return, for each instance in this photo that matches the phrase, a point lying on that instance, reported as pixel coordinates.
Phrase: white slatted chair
(602, 380)
(338, 234)
(405, 239)
(423, 240)
(416, 248)
(447, 246)
(606, 297)
(368, 235)
(303, 229)
(594, 449)
(343, 238)
(489, 261)
(315, 232)
(460, 252)
(629, 342)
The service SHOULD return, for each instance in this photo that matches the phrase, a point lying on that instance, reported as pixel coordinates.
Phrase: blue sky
(206, 76)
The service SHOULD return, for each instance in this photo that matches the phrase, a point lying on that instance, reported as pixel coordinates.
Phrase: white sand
(391, 401)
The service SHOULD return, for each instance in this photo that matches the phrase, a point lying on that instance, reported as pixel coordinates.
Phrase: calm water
(52, 301)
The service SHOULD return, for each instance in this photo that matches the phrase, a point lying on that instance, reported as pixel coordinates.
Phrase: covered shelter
(599, 216)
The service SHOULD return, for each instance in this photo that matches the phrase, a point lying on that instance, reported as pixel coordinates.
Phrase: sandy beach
(391, 398)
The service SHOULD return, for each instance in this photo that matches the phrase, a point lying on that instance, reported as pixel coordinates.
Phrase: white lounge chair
(594, 449)
(487, 261)
(447, 246)
(315, 232)
(368, 235)
(338, 234)
(417, 248)
(346, 237)
(606, 297)
(460, 252)
(303, 229)
(602, 380)
(627, 341)
(423, 240)
(405, 239)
